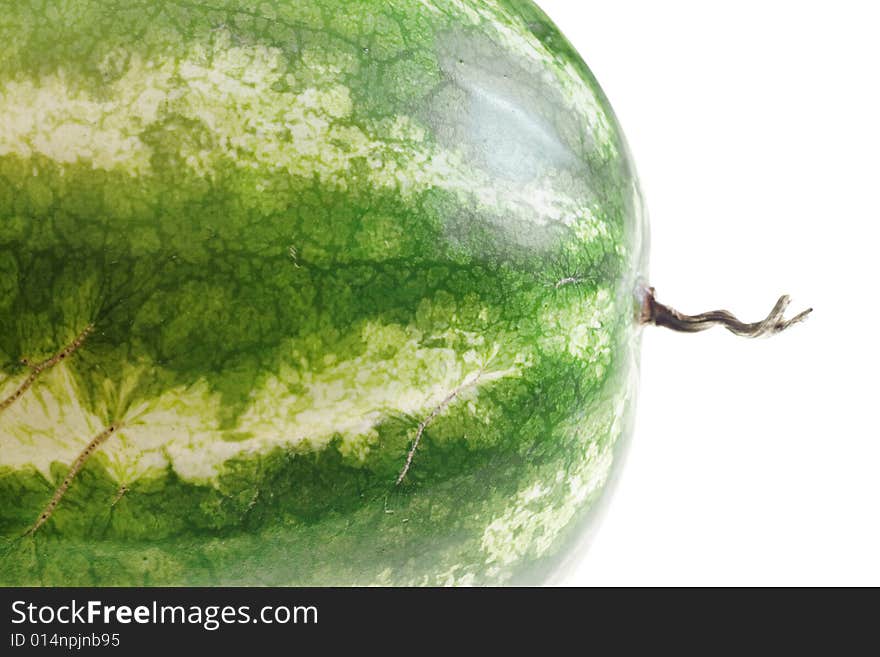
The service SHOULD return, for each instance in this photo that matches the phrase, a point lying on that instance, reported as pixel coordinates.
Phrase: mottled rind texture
(251, 251)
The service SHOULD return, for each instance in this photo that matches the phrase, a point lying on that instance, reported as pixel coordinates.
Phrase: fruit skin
(300, 232)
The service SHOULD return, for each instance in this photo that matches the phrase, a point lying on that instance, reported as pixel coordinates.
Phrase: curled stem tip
(658, 314)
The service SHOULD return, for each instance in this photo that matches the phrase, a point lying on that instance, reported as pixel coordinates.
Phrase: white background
(754, 126)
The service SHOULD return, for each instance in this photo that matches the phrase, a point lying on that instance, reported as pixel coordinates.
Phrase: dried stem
(654, 312)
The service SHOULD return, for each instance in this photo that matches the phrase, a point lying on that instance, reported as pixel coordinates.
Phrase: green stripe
(337, 521)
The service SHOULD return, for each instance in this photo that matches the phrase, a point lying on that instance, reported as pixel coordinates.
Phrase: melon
(308, 292)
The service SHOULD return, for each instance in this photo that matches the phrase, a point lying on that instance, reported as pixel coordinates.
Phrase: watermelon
(308, 292)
